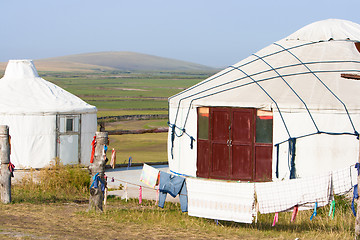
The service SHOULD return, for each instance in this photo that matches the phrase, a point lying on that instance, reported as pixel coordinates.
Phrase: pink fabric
(113, 158)
(276, 219)
(295, 211)
(140, 195)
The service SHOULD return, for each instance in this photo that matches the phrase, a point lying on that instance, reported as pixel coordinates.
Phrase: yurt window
(203, 123)
(264, 126)
(69, 124)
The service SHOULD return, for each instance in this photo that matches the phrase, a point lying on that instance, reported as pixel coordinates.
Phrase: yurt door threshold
(234, 143)
(68, 139)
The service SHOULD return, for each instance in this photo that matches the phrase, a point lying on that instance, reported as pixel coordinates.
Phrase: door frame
(205, 149)
(67, 133)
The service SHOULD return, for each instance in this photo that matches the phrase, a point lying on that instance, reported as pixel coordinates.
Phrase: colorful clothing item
(113, 158)
(174, 185)
(149, 175)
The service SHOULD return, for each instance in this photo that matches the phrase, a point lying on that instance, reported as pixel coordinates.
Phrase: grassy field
(117, 94)
(150, 147)
(129, 220)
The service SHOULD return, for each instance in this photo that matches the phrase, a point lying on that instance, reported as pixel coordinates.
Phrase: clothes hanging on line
(342, 180)
(284, 195)
(173, 185)
(230, 201)
(149, 175)
(113, 158)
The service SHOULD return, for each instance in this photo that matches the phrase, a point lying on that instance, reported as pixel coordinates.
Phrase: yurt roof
(24, 92)
(300, 71)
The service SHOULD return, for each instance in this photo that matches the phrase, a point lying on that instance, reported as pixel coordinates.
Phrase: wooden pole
(98, 167)
(5, 174)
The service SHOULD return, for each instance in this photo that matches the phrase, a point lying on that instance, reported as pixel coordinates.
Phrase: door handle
(230, 142)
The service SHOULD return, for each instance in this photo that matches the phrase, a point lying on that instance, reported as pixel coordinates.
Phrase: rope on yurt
(297, 95)
(173, 134)
(277, 160)
(233, 68)
(292, 150)
(277, 106)
(352, 124)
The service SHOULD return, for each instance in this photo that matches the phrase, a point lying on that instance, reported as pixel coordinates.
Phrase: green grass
(150, 147)
(105, 113)
(125, 91)
(134, 125)
(53, 184)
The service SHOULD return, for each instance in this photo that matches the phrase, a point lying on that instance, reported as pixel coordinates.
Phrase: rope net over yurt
(299, 79)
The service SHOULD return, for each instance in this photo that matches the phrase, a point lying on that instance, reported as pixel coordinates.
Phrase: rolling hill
(114, 61)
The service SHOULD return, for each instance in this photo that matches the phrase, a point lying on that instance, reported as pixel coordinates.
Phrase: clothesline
(241, 201)
(138, 185)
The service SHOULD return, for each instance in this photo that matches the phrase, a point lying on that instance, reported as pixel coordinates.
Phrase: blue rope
(242, 85)
(173, 134)
(355, 196)
(287, 130)
(244, 64)
(292, 148)
(277, 160)
(352, 124)
(297, 95)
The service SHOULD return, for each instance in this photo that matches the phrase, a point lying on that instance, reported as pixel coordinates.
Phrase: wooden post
(5, 174)
(357, 219)
(98, 167)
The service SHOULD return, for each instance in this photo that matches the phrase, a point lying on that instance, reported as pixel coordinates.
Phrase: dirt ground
(70, 221)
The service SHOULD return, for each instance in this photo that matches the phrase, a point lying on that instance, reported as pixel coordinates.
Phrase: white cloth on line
(284, 195)
(221, 200)
(342, 180)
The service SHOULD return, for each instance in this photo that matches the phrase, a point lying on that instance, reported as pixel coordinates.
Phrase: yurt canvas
(290, 110)
(44, 120)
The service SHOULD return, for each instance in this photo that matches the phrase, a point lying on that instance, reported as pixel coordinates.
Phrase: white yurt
(44, 120)
(290, 110)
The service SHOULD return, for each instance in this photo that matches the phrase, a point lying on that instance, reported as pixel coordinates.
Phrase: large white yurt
(290, 110)
(44, 120)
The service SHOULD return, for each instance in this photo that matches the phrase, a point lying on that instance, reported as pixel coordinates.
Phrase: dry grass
(55, 207)
(129, 220)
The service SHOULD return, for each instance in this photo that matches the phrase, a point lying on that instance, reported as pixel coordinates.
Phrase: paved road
(132, 177)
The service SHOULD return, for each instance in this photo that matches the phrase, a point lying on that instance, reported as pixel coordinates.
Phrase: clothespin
(295, 211)
(157, 194)
(315, 212)
(125, 195)
(332, 209)
(140, 195)
(129, 163)
(276, 219)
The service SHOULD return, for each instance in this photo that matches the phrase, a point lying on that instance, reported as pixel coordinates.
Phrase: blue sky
(215, 33)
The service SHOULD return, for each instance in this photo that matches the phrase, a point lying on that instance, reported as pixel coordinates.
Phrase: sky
(213, 33)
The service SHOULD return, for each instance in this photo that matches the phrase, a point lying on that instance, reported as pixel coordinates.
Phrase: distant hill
(118, 61)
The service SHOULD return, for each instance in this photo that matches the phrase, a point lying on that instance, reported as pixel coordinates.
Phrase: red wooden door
(233, 146)
(242, 143)
(220, 152)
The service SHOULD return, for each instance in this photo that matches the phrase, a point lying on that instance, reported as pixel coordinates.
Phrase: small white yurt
(290, 110)
(44, 120)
